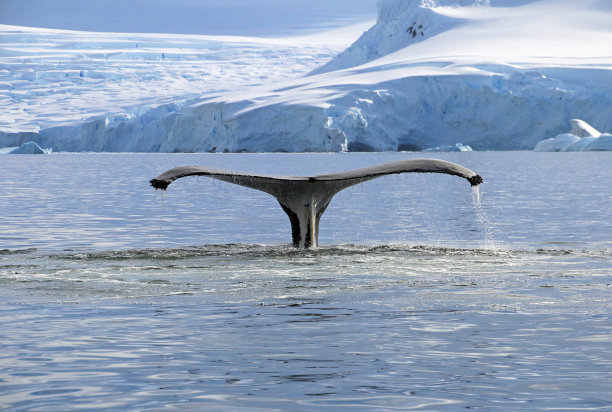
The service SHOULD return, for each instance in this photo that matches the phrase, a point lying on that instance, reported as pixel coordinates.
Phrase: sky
(261, 18)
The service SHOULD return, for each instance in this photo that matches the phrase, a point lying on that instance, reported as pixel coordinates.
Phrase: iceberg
(560, 143)
(581, 128)
(581, 138)
(30, 148)
(602, 143)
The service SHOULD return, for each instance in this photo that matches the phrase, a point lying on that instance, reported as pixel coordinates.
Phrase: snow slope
(399, 25)
(491, 75)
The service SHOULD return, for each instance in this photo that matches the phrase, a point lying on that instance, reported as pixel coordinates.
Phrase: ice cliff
(430, 73)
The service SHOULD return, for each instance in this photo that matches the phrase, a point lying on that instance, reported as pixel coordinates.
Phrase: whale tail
(305, 198)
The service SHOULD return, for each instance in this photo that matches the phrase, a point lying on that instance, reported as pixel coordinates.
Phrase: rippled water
(116, 297)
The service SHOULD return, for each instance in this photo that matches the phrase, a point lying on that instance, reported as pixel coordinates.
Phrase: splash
(483, 220)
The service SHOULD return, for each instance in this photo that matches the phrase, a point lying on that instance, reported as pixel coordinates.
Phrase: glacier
(493, 75)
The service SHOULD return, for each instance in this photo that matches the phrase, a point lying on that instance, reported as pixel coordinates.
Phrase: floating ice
(459, 147)
(30, 148)
(582, 138)
(581, 128)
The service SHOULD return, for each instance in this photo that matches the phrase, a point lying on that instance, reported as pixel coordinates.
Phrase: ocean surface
(424, 295)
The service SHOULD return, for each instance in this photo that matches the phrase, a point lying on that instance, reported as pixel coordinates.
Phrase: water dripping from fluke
(483, 220)
(161, 201)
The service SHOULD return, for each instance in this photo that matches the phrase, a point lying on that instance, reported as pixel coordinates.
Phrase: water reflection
(282, 355)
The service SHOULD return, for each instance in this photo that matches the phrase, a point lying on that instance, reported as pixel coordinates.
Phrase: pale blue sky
(227, 17)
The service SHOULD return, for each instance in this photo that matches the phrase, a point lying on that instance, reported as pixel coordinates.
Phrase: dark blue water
(115, 297)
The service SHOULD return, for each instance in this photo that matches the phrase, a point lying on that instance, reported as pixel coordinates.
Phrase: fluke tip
(475, 180)
(159, 184)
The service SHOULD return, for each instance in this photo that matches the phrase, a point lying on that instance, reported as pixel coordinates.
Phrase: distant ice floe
(581, 138)
(459, 147)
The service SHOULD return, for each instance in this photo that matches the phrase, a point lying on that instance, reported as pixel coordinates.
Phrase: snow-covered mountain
(399, 25)
(490, 74)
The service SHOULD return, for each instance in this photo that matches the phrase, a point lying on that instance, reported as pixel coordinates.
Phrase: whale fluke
(305, 198)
